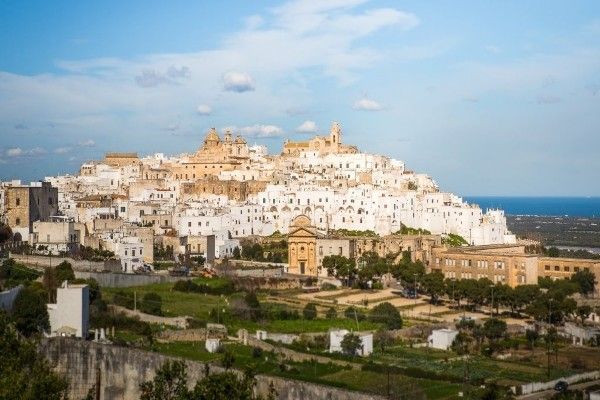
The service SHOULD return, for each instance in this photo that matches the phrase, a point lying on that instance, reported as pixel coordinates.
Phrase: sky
(489, 98)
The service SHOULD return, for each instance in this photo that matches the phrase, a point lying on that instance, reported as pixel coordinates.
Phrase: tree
(340, 267)
(237, 254)
(5, 233)
(331, 313)
(228, 359)
(354, 313)
(386, 313)
(351, 343)
(30, 313)
(461, 343)
(26, 374)
(494, 329)
(585, 280)
(383, 338)
(170, 383)
(532, 337)
(434, 286)
(253, 306)
(225, 386)
(64, 272)
(584, 312)
(310, 311)
(151, 304)
(553, 252)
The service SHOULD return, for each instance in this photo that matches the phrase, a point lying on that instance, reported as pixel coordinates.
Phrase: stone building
(302, 243)
(508, 264)
(116, 159)
(23, 205)
(212, 186)
(59, 235)
(323, 145)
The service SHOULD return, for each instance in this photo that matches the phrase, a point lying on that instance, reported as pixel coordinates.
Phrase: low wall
(116, 279)
(46, 261)
(533, 387)
(189, 335)
(7, 297)
(121, 370)
(179, 322)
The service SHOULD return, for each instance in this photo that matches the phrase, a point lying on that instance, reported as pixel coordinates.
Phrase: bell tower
(335, 135)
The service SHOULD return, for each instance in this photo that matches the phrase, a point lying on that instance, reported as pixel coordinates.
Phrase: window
(547, 268)
(18, 221)
(556, 268)
(133, 252)
(567, 269)
(122, 209)
(18, 201)
(125, 251)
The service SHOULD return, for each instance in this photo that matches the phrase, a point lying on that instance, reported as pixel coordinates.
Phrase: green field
(328, 374)
(199, 306)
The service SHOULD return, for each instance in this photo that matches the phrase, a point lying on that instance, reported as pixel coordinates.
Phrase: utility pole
(492, 306)
(134, 300)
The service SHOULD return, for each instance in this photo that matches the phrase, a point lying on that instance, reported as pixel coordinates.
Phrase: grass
(479, 367)
(199, 306)
(328, 374)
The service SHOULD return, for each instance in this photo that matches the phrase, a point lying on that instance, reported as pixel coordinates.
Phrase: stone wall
(112, 279)
(533, 387)
(121, 370)
(46, 261)
(179, 322)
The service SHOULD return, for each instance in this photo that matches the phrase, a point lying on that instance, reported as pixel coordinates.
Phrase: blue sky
(498, 98)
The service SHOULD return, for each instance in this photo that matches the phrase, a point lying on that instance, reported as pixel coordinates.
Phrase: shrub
(256, 352)
(189, 286)
(331, 313)
(124, 299)
(310, 311)
(151, 304)
(387, 314)
(328, 286)
(354, 313)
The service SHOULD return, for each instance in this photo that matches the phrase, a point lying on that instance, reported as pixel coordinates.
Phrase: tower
(335, 135)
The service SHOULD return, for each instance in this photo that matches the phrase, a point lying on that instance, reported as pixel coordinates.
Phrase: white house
(442, 338)
(337, 335)
(212, 345)
(70, 316)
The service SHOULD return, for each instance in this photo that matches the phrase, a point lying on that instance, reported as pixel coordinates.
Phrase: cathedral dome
(212, 137)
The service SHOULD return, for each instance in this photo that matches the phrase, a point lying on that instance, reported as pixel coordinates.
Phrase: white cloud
(87, 143)
(14, 152)
(19, 152)
(259, 131)
(548, 99)
(237, 82)
(62, 150)
(307, 127)
(367, 104)
(204, 109)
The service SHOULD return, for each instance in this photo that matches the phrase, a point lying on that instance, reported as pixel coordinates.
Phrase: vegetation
(454, 240)
(13, 274)
(25, 373)
(351, 344)
(407, 230)
(151, 304)
(386, 314)
(310, 311)
(170, 383)
(30, 314)
(353, 233)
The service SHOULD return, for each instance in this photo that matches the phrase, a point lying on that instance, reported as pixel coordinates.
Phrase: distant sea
(542, 206)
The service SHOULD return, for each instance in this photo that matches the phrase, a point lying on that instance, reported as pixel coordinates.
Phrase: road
(546, 394)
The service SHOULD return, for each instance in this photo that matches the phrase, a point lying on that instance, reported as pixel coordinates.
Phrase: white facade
(70, 316)
(212, 345)
(337, 335)
(337, 191)
(442, 339)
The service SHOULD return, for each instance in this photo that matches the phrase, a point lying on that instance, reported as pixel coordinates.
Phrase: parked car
(561, 386)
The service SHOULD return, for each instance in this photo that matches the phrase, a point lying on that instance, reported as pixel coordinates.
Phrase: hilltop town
(324, 269)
